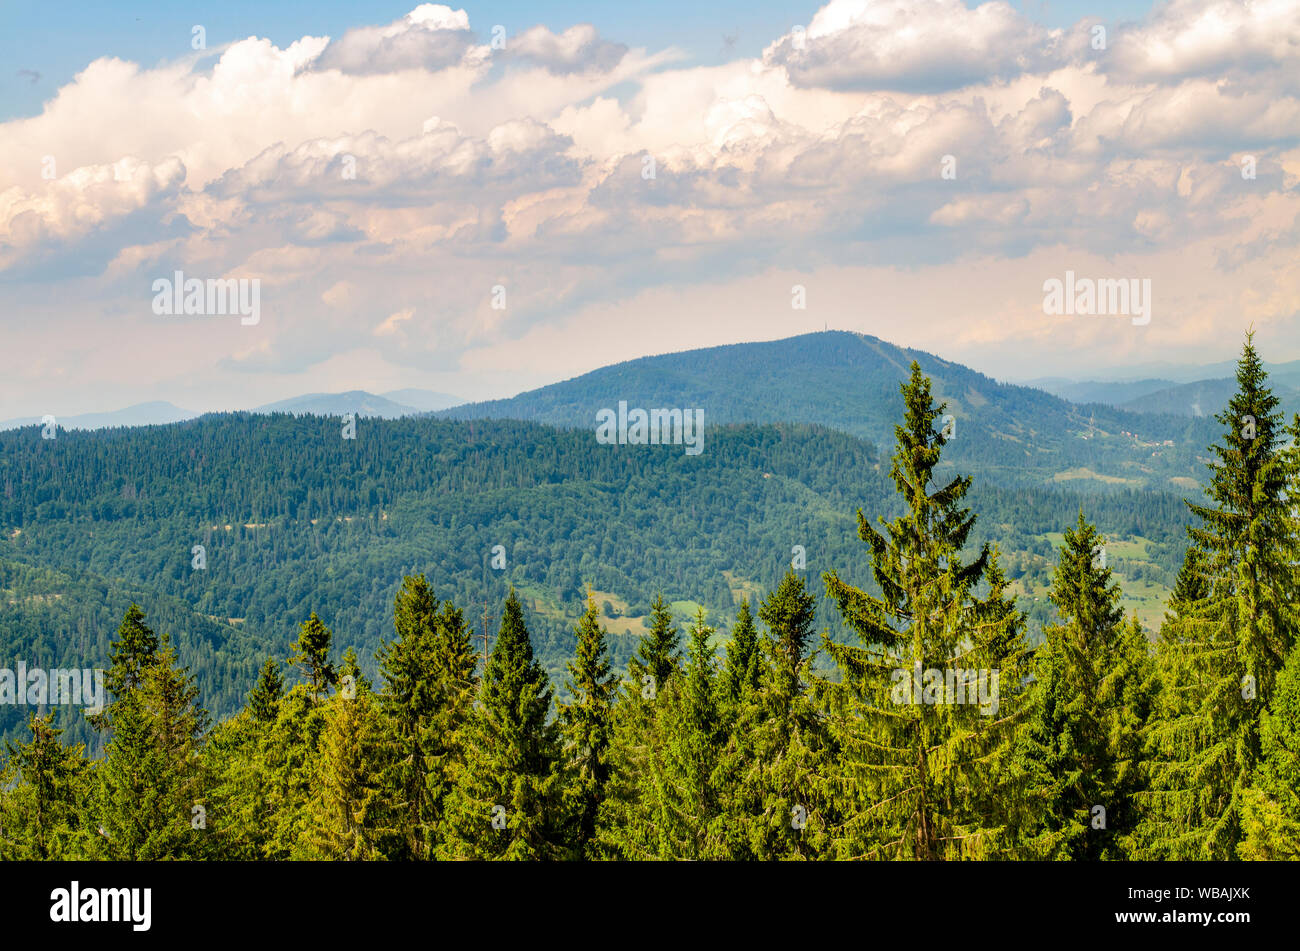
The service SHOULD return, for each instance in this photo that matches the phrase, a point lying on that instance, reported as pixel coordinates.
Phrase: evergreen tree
(744, 660)
(265, 696)
(1272, 804)
(41, 813)
(685, 802)
(288, 752)
(349, 673)
(1222, 651)
(132, 653)
(658, 653)
(507, 800)
(428, 693)
(237, 804)
(1080, 752)
(310, 654)
(408, 700)
(350, 815)
(588, 729)
(150, 780)
(628, 825)
(444, 730)
(910, 749)
(777, 803)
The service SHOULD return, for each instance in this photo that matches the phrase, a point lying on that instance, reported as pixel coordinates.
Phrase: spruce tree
(507, 800)
(1080, 752)
(777, 803)
(351, 816)
(684, 799)
(43, 808)
(588, 730)
(428, 692)
(237, 799)
(1271, 807)
(1223, 649)
(408, 699)
(266, 693)
(288, 751)
(310, 654)
(134, 650)
(445, 729)
(744, 660)
(628, 826)
(910, 749)
(150, 780)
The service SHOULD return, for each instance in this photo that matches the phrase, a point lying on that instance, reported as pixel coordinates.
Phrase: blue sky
(416, 207)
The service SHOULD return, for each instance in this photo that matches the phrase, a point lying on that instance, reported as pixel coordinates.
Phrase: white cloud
(912, 45)
(526, 167)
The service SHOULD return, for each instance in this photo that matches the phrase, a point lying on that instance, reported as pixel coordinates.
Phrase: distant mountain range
(141, 414)
(1169, 374)
(1200, 398)
(391, 405)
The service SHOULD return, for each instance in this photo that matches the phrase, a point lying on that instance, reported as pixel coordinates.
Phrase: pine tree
(588, 730)
(1222, 651)
(1080, 753)
(910, 752)
(506, 802)
(41, 813)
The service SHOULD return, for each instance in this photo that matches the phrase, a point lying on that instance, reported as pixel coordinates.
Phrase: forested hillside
(293, 518)
(938, 730)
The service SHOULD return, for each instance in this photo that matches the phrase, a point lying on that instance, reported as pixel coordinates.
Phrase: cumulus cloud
(1219, 38)
(381, 184)
(913, 45)
(430, 37)
(578, 49)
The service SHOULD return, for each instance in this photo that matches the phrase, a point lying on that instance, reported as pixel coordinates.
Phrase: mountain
(141, 414)
(849, 382)
(426, 401)
(337, 404)
(1099, 391)
(1176, 373)
(1206, 398)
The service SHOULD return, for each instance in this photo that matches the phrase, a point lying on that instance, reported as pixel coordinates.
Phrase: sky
(483, 199)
